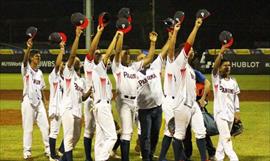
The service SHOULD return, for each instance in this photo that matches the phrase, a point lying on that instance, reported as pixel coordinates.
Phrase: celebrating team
(138, 95)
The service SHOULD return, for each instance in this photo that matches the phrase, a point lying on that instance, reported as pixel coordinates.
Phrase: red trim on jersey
(90, 57)
(187, 48)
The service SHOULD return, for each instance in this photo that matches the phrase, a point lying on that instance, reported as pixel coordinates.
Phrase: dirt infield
(13, 117)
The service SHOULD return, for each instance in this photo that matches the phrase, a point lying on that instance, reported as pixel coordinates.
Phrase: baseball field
(252, 145)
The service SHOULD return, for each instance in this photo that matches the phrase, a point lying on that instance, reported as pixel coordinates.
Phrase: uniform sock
(178, 149)
(165, 146)
(87, 148)
(125, 144)
(201, 144)
(52, 143)
(118, 141)
(62, 148)
(69, 155)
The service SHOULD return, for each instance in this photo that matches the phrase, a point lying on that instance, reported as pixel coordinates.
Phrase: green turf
(8, 104)
(252, 145)
(246, 82)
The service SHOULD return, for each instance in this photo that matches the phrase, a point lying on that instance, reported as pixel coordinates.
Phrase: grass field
(246, 82)
(252, 145)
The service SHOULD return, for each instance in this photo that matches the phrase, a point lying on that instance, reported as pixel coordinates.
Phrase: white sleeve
(157, 63)
(52, 76)
(43, 85)
(237, 89)
(215, 78)
(181, 60)
(137, 66)
(24, 69)
(236, 104)
(114, 66)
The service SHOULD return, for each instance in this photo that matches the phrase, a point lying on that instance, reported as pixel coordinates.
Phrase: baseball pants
(224, 140)
(31, 114)
(55, 124)
(72, 130)
(105, 130)
(89, 119)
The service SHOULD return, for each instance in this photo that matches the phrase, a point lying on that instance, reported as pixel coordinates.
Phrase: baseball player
(105, 129)
(149, 100)
(202, 90)
(56, 93)
(187, 108)
(32, 106)
(226, 105)
(125, 75)
(74, 93)
(90, 62)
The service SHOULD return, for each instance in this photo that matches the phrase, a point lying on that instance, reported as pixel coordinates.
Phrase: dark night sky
(248, 20)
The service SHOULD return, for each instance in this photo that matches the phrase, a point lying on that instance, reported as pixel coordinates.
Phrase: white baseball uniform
(187, 108)
(126, 85)
(226, 103)
(89, 120)
(169, 100)
(56, 94)
(105, 129)
(32, 108)
(71, 111)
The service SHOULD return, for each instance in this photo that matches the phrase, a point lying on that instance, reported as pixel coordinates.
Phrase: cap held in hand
(122, 24)
(226, 38)
(202, 13)
(31, 31)
(179, 16)
(104, 19)
(79, 19)
(57, 37)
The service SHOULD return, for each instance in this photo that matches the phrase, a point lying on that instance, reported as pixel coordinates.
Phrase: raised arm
(165, 48)
(192, 35)
(60, 56)
(153, 38)
(74, 47)
(218, 59)
(94, 43)
(172, 42)
(29, 44)
(119, 46)
(111, 47)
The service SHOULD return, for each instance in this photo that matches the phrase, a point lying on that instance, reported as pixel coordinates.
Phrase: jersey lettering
(145, 80)
(226, 90)
(78, 88)
(36, 81)
(130, 76)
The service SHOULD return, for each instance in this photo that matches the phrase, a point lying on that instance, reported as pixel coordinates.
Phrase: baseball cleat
(114, 155)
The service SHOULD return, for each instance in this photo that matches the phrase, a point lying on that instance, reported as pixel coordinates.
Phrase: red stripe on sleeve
(89, 57)
(187, 48)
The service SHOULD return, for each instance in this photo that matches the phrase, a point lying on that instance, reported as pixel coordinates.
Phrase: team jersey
(33, 83)
(200, 79)
(101, 84)
(170, 83)
(88, 66)
(149, 88)
(74, 87)
(56, 92)
(185, 78)
(126, 78)
(226, 101)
